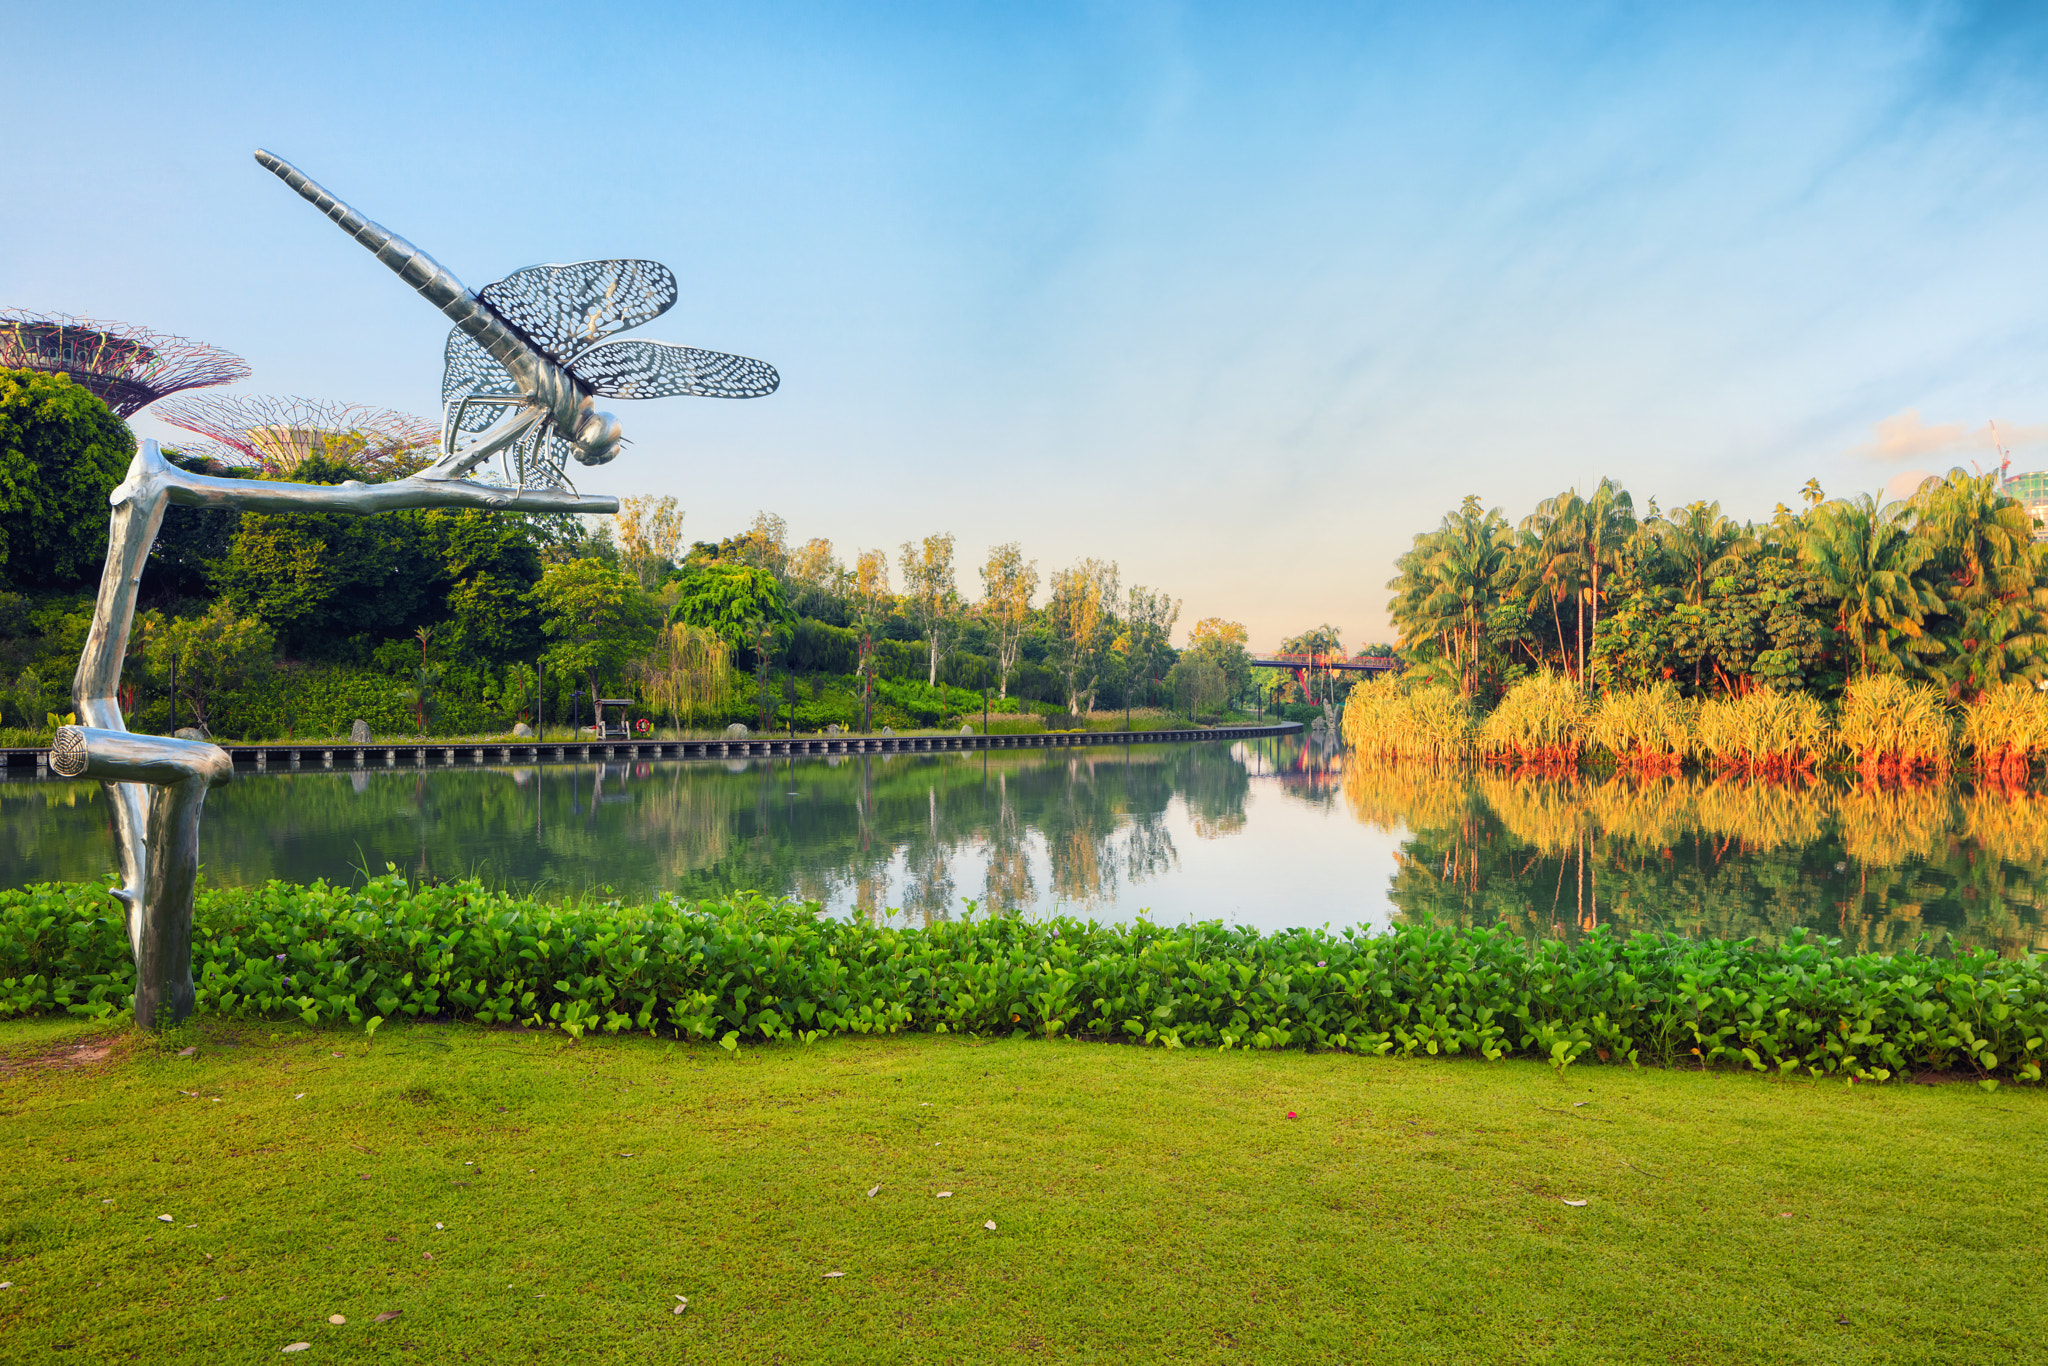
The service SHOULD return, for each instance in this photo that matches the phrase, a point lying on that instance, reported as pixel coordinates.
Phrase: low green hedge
(757, 969)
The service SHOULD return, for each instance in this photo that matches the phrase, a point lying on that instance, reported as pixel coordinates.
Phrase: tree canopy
(62, 451)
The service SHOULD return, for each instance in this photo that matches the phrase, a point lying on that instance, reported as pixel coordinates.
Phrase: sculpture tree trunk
(156, 785)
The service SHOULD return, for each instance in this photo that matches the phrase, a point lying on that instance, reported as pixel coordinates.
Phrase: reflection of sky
(1291, 864)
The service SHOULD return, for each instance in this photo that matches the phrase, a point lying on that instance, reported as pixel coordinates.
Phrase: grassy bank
(513, 1194)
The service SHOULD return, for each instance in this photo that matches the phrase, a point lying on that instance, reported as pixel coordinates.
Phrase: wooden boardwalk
(23, 763)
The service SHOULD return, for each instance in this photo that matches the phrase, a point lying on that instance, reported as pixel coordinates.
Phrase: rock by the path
(359, 733)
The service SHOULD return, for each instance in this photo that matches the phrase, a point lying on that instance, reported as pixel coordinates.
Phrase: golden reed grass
(1895, 728)
(1540, 723)
(1764, 732)
(1433, 724)
(2006, 728)
(1650, 729)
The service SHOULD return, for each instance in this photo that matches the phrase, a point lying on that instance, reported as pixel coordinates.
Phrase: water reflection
(909, 835)
(1273, 834)
(1880, 867)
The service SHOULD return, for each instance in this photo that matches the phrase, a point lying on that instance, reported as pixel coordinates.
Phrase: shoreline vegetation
(1885, 729)
(751, 969)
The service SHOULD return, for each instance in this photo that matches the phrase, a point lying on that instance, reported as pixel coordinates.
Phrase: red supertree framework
(126, 368)
(275, 433)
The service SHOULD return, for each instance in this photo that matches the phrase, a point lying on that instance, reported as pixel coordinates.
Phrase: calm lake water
(1271, 834)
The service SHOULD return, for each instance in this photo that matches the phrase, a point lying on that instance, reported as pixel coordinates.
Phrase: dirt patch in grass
(92, 1052)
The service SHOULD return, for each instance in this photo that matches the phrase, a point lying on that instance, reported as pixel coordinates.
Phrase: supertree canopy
(126, 368)
(274, 434)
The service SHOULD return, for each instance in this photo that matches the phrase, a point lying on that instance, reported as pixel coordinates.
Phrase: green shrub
(756, 969)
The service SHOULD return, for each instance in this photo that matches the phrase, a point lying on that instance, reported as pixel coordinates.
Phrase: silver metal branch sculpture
(526, 352)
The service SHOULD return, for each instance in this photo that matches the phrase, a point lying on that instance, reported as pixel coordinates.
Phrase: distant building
(2030, 491)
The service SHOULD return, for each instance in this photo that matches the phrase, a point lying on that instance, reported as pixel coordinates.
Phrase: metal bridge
(1353, 663)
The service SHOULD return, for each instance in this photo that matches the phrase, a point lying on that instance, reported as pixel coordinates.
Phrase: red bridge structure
(1305, 666)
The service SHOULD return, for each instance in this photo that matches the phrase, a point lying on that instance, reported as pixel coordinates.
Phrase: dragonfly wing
(566, 310)
(651, 369)
(471, 370)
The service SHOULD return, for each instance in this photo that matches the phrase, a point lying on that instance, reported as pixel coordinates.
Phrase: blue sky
(1239, 296)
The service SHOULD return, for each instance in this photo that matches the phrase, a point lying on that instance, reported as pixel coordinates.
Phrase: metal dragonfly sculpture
(526, 362)
(530, 355)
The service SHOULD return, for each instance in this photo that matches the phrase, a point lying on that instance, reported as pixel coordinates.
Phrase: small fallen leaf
(872, 1190)
(336, 1318)
(1576, 1204)
(192, 1052)
(440, 1226)
(679, 1309)
(990, 1225)
(300, 1096)
(106, 1202)
(165, 1219)
(295, 1347)
(1785, 1216)
(387, 1316)
(943, 1195)
(832, 1275)
(428, 1256)
(390, 1237)
(6, 1285)
(1577, 1103)
(682, 1299)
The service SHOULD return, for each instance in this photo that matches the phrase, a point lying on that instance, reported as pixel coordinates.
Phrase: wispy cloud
(1908, 436)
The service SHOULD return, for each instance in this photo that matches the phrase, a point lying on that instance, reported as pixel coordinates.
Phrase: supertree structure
(126, 368)
(274, 434)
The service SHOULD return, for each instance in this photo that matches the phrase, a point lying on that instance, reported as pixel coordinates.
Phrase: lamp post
(540, 714)
(575, 714)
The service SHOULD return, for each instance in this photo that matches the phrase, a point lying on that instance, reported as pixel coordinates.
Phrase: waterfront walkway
(23, 763)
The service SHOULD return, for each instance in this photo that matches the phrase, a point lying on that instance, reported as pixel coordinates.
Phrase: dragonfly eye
(598, 439)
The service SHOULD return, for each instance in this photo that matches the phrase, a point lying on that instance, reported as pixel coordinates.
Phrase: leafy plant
(751, 969)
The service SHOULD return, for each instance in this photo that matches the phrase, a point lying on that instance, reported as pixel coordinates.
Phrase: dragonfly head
(598, 438)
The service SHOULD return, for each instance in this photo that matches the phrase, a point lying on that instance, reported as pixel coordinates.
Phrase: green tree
(929, 595)
(597, 618)
(487, 565)
(320, 580)
(1870, 561)
(727, 598)
(1991, 623)
(62, 451)
(217, 653)
(1197, 685)
(1007, 582)
(1082, 614)
(1223, 643)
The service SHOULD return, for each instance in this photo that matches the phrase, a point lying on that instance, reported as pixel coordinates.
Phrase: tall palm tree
(1869, 558)
(1556, 567)
(1601, 529)
(1704, 545)
(1982, 539)
(1467, 575)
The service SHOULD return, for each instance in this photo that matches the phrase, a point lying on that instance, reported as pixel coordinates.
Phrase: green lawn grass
(1149, 1205)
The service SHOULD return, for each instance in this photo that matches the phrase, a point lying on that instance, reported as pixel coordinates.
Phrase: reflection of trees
(1008, 885)
(1876, 867)
(875, 833)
